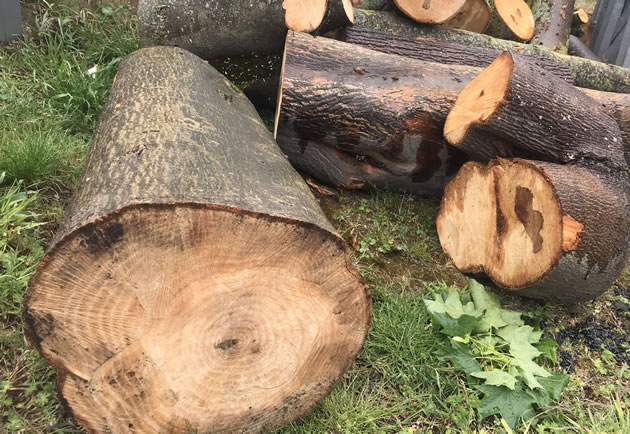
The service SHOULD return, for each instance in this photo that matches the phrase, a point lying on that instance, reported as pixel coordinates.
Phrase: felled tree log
(213, 29)
(195, 284)
(549, 231)
(587, 73)
(555, 35)
(578, 48)
(439, 51)
(537, 114)
(618, 106)
(379, 115)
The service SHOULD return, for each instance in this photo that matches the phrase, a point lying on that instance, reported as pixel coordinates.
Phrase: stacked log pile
(195, 283)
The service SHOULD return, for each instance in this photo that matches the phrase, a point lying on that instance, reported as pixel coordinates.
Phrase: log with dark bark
(195, 284)
(555, 35)
(537, 115)
(235, 28)
(440, 52)
(578, 48)
(351, 116)
(618, 106)
(544, 230)
(587, 73)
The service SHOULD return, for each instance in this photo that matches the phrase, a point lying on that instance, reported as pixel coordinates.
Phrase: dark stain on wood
(531, 219)
(431, 143)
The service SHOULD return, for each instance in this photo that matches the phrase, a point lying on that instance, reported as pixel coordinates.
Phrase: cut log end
(348, 7)
(480, 99)
(184, 317)
(518, 16)
(304, 15)
(430, 11)
(475, 16)
(504, 220)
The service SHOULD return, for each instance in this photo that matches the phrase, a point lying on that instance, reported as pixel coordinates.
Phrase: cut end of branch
(430, 11)
(505, 220)
(304, 15)
(480, 99)
(475, 16)
(518, 16)
(348, 9)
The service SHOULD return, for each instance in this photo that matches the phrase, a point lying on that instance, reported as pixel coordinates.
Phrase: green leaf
(488, 303)
(496, 378)
(519, 339)
(548, 348)
(554, 384)
(512, 405)
(461, 357)
(529, 370)
(455, 318)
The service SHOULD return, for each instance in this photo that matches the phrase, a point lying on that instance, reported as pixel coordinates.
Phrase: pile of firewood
(196, 285)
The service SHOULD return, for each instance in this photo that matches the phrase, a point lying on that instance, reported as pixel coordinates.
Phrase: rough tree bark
(587, 73)
(440, 52)
(235, 28)
(549, 231)
(195, 283)
(349, 115)
(537, 115)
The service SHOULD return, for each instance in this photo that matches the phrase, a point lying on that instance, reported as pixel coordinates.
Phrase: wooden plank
(10, 20)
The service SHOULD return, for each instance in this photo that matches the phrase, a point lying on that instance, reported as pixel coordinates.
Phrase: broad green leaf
(496, 378)
(529, 370)
(461, 357)
(456, 319)
(548, 348)
(518, 338)
(554, 384)
(512, 405)
(494, 315)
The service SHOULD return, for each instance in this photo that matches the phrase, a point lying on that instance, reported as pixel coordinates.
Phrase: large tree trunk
(195, 284)
(535, 114)
(438, 51)
(213, 29)
(351, 116)
(377, 138)
(556, 232)
(586, 73)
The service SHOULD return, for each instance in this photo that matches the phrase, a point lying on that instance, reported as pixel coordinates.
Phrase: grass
(49, 106)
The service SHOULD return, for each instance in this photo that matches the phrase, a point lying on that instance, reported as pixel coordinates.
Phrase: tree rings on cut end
(517, 15)
(430, 11)
(505, 220)
(304, 15)
(170, 318)
(480, 99)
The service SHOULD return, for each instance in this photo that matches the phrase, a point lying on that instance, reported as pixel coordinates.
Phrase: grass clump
(49, 106)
